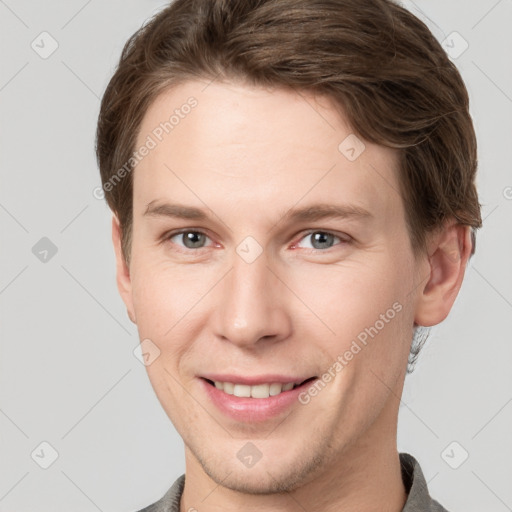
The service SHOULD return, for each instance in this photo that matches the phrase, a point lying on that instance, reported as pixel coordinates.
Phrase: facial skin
(247, 157)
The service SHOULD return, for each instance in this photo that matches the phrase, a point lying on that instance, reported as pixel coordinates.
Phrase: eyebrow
(178, 211)
(325, 211)
(306, 214)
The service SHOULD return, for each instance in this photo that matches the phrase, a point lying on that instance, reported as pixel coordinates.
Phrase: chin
(270, 476)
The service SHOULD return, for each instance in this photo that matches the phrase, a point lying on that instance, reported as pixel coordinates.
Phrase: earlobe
(124, 284)
(448, 252)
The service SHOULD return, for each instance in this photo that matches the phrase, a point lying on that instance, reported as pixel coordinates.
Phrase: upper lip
(257, 379)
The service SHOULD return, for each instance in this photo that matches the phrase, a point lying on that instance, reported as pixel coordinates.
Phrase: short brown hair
(379, 63)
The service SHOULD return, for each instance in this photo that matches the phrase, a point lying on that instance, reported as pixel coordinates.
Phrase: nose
(252, 305)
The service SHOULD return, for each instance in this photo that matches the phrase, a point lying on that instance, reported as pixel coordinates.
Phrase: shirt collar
(418, 497)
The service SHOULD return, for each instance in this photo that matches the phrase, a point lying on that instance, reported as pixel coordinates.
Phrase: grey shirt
(418, 499)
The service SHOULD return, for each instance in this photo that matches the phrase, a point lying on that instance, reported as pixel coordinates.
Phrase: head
(322, 166)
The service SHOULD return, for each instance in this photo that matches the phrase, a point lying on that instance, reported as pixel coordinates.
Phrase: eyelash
(343, 239)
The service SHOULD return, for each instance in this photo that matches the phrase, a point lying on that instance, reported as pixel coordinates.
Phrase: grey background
(68, 374)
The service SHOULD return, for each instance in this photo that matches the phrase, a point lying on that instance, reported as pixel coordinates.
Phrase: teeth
(258, 391)
(242, 390)
(275, 389)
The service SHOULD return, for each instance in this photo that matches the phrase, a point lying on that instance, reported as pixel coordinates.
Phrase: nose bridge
(251, 304)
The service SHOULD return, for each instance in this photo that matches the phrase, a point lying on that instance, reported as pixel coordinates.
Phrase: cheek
(367, 308)
(351, 297)
(166, 301)
(165, 296)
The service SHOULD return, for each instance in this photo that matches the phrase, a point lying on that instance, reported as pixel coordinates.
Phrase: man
(293, 192)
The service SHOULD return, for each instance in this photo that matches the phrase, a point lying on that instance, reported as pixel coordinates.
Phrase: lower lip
(253, 409)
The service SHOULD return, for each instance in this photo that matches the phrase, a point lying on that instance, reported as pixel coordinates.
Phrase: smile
(265, 390)
(252, 399)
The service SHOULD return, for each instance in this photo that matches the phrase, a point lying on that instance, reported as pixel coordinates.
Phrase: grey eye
(321, 240)
(191, 239)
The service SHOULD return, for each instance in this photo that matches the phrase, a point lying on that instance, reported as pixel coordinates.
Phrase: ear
(124, 283)
(448, 252)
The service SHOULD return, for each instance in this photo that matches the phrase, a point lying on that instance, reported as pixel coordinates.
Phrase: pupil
(322, 240)
(193, 239)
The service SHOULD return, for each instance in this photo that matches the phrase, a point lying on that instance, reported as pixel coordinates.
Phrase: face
(270, 250)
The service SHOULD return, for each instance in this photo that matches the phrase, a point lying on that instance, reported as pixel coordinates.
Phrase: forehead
(249, 145)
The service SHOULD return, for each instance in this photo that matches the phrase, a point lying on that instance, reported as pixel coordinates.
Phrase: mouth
(254, 399)
(259, 391)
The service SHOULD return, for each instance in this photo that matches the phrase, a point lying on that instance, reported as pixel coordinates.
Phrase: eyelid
(166, 237)
(344, 238)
